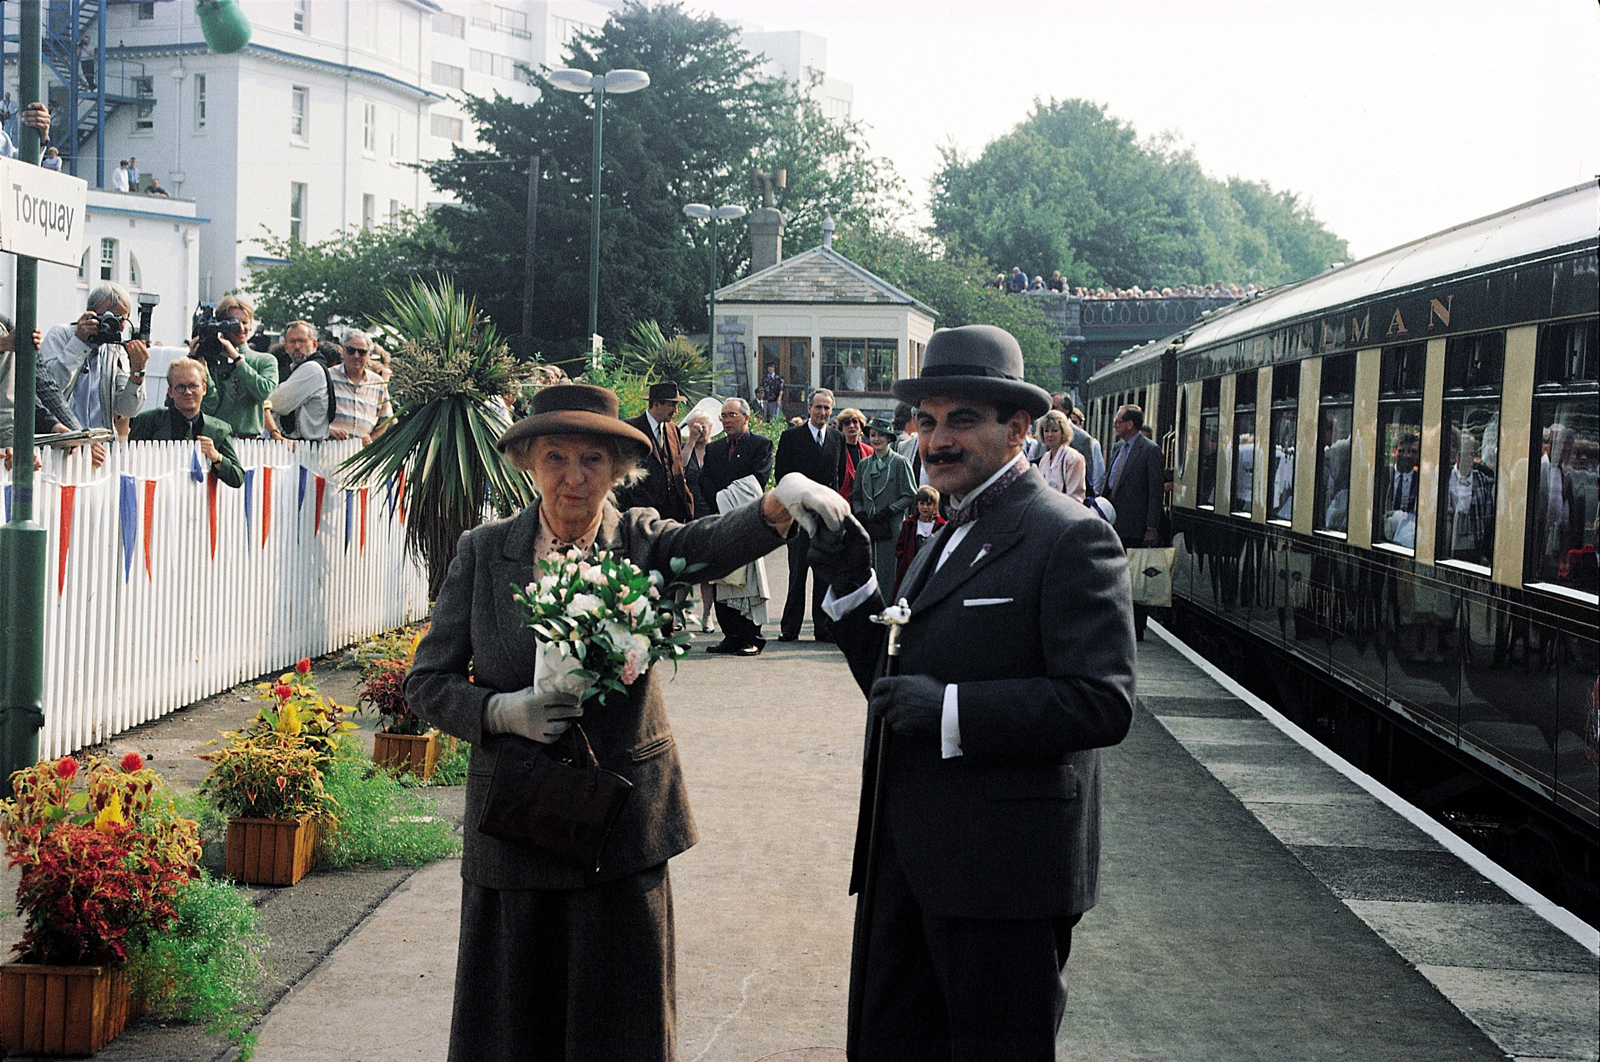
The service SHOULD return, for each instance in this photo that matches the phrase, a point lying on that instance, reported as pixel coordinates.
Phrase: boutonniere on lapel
(982, 553)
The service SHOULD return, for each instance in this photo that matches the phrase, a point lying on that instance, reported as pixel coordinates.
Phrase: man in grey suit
(1134, 484)
(1015, 667)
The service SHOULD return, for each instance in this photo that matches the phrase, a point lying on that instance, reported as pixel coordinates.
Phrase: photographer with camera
(241, 378)
(304, 403)
(94, 365)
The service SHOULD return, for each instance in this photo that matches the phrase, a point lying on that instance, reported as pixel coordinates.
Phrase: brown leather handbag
(554, 797)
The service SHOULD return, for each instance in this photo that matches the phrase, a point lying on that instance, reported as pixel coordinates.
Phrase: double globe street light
(714, 214)
(616, 83)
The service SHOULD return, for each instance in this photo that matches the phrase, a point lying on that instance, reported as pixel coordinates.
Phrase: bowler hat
(574, 409)
(667, 392)
(974, 361)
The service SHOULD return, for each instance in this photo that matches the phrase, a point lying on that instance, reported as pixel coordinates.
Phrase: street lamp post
(617, 83)
(714, 214)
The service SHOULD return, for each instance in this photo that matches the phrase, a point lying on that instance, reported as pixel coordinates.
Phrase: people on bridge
(1015, 667)
(557, 961)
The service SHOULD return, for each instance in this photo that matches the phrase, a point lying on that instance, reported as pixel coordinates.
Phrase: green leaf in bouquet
(678, 565)
(586, 675)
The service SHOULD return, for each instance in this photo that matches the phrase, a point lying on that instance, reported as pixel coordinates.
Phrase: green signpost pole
(22, 541)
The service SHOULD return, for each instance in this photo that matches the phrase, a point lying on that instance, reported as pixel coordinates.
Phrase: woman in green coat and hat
(884, 491)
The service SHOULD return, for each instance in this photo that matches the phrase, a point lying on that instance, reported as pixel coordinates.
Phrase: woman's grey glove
(810, 503)
(541, 717)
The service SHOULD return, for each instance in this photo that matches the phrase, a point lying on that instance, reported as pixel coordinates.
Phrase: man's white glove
(809, 502)
(541, 717)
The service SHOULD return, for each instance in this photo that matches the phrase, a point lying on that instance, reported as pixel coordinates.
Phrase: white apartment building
(794, 55)
(317, 125)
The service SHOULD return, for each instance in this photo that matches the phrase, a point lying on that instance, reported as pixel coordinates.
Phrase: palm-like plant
(450, 375)
(651, 354)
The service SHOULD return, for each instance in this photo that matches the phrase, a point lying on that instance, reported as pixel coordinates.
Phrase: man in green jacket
(186, 386)
(241, 378)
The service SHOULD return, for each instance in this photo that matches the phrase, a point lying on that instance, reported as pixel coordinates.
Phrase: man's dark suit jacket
(798, 452)
(664, 487)
(165, 425)
(1139, 485)
(1030, 618)
(727, 461)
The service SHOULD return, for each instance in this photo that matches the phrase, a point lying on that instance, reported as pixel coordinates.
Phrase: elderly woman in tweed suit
(557, 963)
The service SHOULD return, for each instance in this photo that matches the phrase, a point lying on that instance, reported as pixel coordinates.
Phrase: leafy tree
(953, 284)
(346, 278)
(706, 121)
(1074, 189)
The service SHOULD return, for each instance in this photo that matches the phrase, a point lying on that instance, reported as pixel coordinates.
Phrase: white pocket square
(973, 602)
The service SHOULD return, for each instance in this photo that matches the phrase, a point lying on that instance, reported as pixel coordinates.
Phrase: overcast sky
(1391, 118)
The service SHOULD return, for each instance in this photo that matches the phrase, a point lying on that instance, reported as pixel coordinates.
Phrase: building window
(1210, 434)
(447, 75)
(297, 212)
(1285, 436)
(1394, 510)
(144, 88)
(394, 211)
(443, 125)
(369, 211)
(859, 365)
(501, 66)
(147, 12)
(108, 259)
(1469, 447)
(394, 132)
(369, 127)
(449, 25)
(1336, 418)
(199, 101)
(300, 112)
(513, 22)
(1244, 443)
(566, 30)
(302, 16)
(1564, 502)
(134, 273)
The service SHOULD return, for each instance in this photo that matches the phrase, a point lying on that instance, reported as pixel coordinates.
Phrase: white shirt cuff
(950, 725)
(839, 607)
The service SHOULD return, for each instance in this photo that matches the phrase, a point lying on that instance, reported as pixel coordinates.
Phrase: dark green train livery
(1386, 476)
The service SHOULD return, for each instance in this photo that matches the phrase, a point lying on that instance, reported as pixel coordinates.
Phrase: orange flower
(132, 762)
(66, 767)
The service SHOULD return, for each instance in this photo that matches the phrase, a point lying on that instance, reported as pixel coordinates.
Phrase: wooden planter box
(416, 754)
(270, 851)
(61, 1010)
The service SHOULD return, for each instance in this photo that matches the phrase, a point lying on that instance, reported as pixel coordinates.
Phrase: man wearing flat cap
(664, 488)
(977, 847)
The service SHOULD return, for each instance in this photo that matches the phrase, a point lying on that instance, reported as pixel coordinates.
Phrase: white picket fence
(148, 609)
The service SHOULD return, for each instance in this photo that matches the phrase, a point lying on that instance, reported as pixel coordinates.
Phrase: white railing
(163, 588)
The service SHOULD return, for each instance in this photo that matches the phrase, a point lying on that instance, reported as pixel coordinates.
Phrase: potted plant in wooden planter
(405, 744)
(101, 868)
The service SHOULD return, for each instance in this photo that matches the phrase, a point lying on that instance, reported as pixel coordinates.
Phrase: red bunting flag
(149, 520)
(400, 493)
(69, 496)
(322, 485)
(266, 503)
(211, 510)
(364, 491)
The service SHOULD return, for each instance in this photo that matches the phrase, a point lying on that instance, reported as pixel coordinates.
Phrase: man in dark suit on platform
(739, 453)
(812, 449)
(664, 487)
(1015, 666)
(1135, 483)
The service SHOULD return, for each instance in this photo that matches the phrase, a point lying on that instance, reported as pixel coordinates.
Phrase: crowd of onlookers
(1019, 283)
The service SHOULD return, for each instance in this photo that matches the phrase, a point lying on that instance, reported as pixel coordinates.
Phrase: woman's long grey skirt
(581, 975)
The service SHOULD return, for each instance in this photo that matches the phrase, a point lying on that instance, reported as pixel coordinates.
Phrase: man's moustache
(945, 457)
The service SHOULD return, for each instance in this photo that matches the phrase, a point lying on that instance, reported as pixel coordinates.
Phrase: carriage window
(1244, 444)
(1336, 416)
(1469, 448)
(1285, 432)
(1183, 429)
(1562, 509)
(1210, 415)
(1394, 510)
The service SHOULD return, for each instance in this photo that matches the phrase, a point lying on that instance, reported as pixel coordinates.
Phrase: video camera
(210, 329)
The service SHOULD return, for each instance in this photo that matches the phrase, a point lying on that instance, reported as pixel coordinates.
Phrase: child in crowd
(919, 526)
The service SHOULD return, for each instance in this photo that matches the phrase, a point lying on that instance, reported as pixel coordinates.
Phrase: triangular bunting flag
(68, 498)
(364, 491)
(300, 500)
(349, 517)
(8, 503)
(400, 494)
(211, 510)
(128, 506)
(149, 523)
(196, 471)
(266, 503)
(249, 490)
(322, 486)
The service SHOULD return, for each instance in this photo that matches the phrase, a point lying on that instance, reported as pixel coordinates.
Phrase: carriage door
(793, 355)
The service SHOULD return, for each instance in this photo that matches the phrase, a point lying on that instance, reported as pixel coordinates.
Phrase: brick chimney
(766, 238)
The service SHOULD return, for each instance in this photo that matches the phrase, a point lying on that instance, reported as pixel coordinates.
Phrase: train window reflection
(1244, 444)
(1469, 448)
(1394, 512)
(1336, 416)
(1563, 511)
(1569, 353)
(1210, 429)
(1285, 426)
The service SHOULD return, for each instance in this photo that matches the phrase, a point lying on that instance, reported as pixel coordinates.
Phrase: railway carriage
(1385, 477)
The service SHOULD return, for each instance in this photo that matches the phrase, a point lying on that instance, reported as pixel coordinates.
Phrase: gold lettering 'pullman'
(1440, 310)
(1397, 325)
(1359, 330)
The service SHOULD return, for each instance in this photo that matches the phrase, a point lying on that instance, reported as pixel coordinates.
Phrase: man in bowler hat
(1015, 668)
(664, 487)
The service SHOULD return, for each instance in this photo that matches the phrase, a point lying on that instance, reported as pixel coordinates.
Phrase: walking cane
(894, 617)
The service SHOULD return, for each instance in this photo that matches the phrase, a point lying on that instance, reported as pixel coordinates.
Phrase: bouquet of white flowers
(602, 621)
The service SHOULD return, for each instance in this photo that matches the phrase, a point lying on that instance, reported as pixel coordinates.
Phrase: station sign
(42, 213)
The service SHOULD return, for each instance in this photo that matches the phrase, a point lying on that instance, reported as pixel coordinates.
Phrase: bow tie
(985, 501)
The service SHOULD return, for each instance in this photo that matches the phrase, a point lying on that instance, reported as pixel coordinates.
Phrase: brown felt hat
(667, 392)
(974, 361)
(574, 409)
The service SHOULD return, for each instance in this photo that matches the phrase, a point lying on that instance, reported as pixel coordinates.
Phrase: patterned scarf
(976, 507)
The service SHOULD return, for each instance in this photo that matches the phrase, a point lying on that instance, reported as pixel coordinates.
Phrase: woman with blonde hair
(1062, 467)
